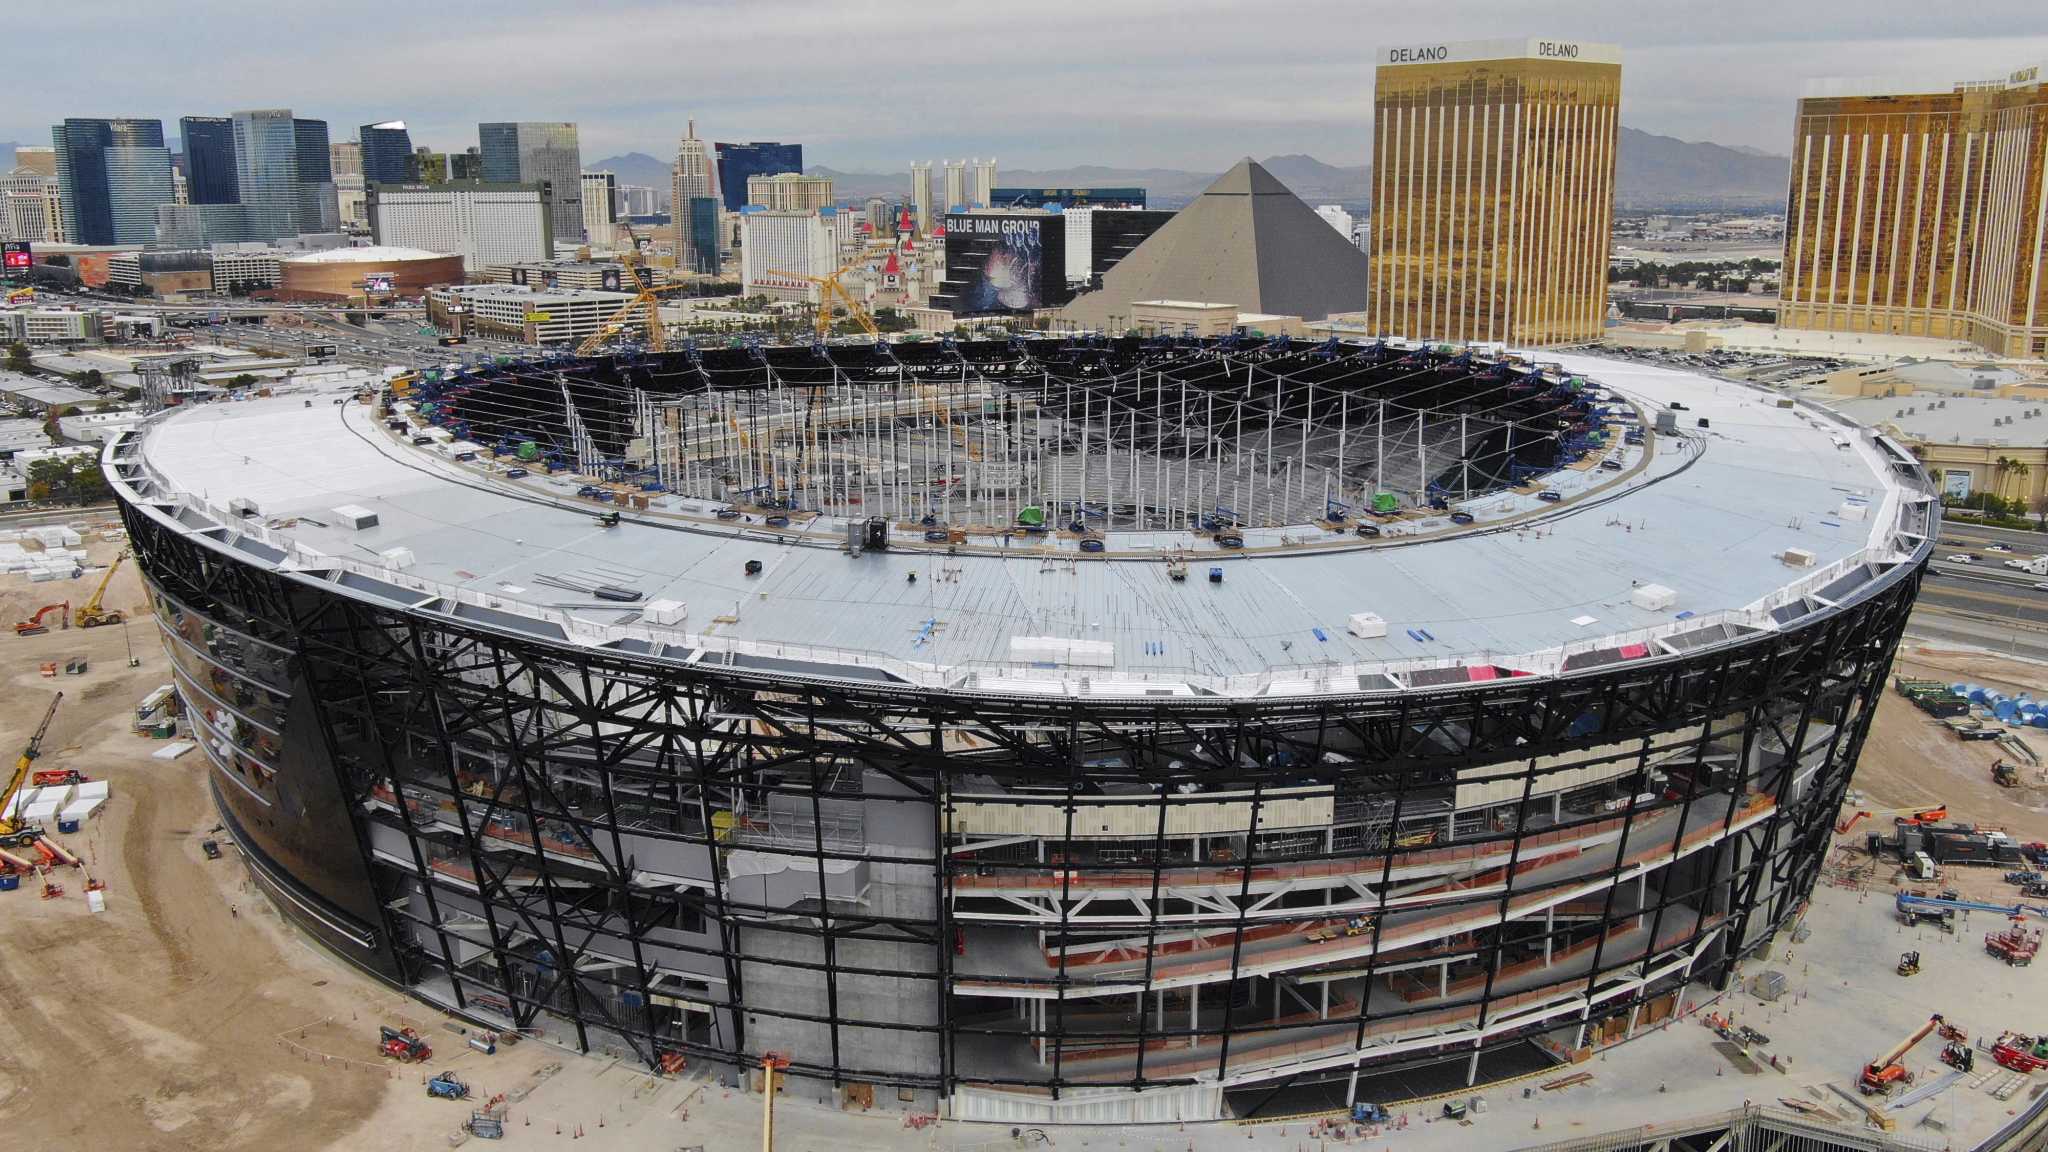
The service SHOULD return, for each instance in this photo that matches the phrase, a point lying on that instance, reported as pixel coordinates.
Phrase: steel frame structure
(1010, 901)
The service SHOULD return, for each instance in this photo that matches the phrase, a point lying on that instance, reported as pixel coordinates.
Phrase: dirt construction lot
(1911, 758)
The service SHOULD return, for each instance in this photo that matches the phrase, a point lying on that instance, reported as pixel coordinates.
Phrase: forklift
(1909, 964)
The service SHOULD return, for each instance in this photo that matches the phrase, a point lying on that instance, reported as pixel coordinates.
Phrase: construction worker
(234, 912)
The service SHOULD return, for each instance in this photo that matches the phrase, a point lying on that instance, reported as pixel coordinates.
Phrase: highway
(1984, 604)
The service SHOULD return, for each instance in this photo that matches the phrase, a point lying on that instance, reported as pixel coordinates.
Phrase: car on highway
(1960, 558)
(2041, 587)
(1997, 547)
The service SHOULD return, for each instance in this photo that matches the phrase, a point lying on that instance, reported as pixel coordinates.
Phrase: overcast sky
(870, 85)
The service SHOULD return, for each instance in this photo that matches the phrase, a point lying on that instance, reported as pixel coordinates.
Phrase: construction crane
(90, 614)
(1920, 814)
(1881, 1075)
(14, 833)
(771, 1063)
(34, 626)
(830, 289)
(644, 308)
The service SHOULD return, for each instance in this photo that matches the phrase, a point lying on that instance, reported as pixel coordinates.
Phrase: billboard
(1001, 265)
(609, 280)
(318, 350)
(18, 256)
(377, 282)
(1955, 484)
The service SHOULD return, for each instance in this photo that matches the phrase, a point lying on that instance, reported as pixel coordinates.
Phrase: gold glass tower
(1921, 214)
(1493, 190)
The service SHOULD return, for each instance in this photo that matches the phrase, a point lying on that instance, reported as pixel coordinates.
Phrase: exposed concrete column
(1472, 1068)
(1276, 996)
(1039, 1027)
(1326, 1000)
(1351, 1088)
(1194, 1007)
(1443, 978)
(1557, 807)
(1159, 998)
(1549, 927)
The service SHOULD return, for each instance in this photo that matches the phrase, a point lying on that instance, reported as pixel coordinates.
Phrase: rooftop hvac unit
(664, 612)
(1667, 422)
(242, 506)
(355, 517)
(1366, 625)
(1797, 558)
(1653, 597)
(1853, 510)
(397, 557)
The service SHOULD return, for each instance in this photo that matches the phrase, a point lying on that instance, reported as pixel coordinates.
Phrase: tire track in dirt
(137, 846)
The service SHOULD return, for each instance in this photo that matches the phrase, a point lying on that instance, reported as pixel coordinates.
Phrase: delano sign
(1472, 51)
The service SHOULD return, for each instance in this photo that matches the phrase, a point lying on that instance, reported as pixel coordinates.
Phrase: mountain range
(1651, 171)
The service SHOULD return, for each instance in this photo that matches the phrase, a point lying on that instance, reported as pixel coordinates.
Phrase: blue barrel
(67, 825)
(1977, 694)
(2040, 720)
(9, 882)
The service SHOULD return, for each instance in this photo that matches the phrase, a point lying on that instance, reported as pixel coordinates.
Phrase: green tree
(242, 380)
(93, 378)
(18, 358)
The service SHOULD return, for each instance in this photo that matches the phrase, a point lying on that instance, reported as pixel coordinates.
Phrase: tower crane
(90, 614)
(15, 833)
(829, 289)
(644, 308)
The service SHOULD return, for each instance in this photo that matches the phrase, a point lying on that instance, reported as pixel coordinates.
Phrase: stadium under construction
(1042, 730)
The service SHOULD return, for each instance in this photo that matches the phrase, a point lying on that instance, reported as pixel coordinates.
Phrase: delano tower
(1493, 190)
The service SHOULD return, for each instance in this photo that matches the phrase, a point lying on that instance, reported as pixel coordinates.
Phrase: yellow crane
(15, 833)
(829, 290)
(90, 614)
(644, 308)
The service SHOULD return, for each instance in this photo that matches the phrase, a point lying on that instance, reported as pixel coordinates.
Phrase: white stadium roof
(1708, 515)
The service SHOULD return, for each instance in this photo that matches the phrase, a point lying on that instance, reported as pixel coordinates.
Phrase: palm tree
(2018, 470)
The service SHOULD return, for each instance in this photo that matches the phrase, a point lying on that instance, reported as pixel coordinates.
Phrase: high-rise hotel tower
(1921, 213)
(1493, 190)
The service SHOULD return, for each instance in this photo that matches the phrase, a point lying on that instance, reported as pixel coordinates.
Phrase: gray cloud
(873, 84)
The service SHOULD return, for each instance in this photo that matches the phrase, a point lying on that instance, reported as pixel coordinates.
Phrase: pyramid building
(1247, 241)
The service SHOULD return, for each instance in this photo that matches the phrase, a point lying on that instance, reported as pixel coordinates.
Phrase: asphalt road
(1985, 604)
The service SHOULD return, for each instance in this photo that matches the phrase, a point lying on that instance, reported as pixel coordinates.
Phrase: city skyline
(1196, 91)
